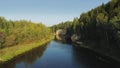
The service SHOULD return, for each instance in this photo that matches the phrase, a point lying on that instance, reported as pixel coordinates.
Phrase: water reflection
(59, 55)
(63, 39)
(27, 59)
(91, 59)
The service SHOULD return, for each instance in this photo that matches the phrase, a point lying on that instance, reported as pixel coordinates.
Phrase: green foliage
(7, 54)
(63, 25)
(101, 18)
(75, 24)
(101, 23)
(16, 32)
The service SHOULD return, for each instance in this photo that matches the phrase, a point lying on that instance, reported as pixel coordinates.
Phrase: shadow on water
(88, 58)
(91, 59)
(58, 54)
(27, 58)
(65, 40)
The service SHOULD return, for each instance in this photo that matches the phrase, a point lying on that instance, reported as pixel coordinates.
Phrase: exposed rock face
(61, 35)
(75, 37)
(60, 32)
(58, 37)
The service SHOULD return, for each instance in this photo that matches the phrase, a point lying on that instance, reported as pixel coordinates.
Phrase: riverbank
(109, 55)
(10, 53)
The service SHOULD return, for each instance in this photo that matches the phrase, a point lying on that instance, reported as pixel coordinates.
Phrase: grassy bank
(10, 53)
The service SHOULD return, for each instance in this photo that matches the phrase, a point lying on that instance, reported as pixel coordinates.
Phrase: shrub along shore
(20, 36)
(9, 53)
(99, 28)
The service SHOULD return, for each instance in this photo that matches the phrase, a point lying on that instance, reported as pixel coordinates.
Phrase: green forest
(97, 29)
(19, 32)
(100, 23)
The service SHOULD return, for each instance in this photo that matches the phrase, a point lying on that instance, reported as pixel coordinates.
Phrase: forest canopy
(101, 23)
(22, 31)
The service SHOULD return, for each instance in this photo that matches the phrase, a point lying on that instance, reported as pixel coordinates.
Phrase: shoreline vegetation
(107, 56)
(9, 53)
(99, 28)
(18, 37)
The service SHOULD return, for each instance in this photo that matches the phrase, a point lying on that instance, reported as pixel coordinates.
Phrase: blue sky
(48, 12)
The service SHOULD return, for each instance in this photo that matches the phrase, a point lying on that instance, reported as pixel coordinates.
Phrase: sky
(49, 12)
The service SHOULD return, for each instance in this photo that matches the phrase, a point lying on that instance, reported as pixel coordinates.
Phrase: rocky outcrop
(60, 34)
(76, 39)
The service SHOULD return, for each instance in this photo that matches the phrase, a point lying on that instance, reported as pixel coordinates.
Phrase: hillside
(99, 29)
(21, 32)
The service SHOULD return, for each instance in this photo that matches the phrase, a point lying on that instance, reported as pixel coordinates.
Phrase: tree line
(101, 23)
(21, 31)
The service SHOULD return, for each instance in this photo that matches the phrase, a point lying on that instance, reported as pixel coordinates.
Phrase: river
(59, 55)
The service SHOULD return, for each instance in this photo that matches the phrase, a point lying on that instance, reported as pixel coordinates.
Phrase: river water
(59, 55)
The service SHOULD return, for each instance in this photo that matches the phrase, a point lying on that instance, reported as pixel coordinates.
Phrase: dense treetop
(22, 31)
(101, 23)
